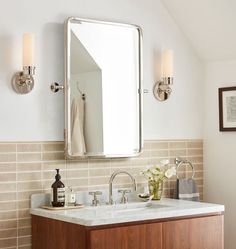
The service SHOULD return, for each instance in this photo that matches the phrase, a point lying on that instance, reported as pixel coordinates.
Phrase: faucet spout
(114, 174)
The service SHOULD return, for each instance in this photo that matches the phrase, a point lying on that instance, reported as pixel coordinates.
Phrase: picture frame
(227, 108)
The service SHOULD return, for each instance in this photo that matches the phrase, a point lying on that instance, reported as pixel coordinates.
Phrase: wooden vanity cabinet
(186, 233)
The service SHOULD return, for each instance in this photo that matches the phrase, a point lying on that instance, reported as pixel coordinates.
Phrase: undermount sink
(119, 209)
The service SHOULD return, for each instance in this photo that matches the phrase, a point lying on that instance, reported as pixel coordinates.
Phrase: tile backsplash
(27, 168)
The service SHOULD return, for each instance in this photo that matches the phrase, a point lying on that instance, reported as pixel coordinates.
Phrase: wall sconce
(162, 89)
(23, 82)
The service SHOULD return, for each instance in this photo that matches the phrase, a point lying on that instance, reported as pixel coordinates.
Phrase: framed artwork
(227, 108)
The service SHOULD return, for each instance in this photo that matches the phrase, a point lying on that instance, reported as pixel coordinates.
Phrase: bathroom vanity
(165, 224)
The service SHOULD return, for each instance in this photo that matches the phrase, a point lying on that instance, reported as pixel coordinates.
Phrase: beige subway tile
(26, 231)
(159, 153)
(120, 163)
(8, 205)
(172, 184)
(8, 196)
(141, 162)
(146, 145)
(28, 157)
(119, 168)
(29, 185)
(99, 163)
(178, 153)
(28, 147)
(81, 188)
(143, 154)
(53, 156)
(99, 172)
(7, 186)
(195, 159)
(182, 174)
(98, 180)
(198, 174)
(24, 213)
(159, 145)
(57, 146)
(199, 182)
(7, 147)
(25, 222)
(54, 165)
(81, 164)
(47, 184)
(10, 233)
(8, 224)
(8, 157)
(7, 167)
(23, 204)
(8, 215)
(198, 166)
(77, 173)
(26, 240)
(195, 152)
(25, 247)
(200, 189)
(195, 144)
(7, 177)
(177, 145)
(28, 167)
(25, 195)
(29, 176)
(83, 182)
(5, 243)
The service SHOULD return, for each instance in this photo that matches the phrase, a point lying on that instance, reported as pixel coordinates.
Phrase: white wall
(39, 115)
(220, 148)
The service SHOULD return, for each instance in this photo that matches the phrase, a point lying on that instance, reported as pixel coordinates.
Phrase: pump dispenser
(58, 192)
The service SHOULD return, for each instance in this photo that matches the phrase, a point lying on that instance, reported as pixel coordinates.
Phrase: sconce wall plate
(23, 82)
(162, 89)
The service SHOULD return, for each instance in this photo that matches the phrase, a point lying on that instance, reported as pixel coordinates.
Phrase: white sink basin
(119, 209)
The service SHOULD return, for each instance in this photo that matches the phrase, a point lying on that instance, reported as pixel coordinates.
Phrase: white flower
(170, 172)
(154, 171)
(165, 162)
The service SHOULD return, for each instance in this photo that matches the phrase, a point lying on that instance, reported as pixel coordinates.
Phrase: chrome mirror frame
(66, 88)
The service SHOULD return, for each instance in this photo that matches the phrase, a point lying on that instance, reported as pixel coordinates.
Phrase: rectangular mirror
(103, 92)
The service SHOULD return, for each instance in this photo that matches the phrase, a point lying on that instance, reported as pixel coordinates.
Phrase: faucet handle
(124, 191)
(124, 199)
(95, 200)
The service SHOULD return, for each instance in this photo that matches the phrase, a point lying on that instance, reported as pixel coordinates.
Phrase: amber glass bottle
(58, 192)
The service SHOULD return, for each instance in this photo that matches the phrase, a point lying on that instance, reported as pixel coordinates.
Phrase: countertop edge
(168, 214)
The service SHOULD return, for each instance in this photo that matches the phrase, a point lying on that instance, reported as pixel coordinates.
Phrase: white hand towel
(78, 147)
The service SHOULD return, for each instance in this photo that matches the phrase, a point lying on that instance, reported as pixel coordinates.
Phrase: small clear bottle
(70, 198)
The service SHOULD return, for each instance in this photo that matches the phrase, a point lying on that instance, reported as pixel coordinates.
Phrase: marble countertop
(130, 212)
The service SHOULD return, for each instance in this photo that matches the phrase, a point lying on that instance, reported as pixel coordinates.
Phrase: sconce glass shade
(28, 50)
(167, 63)
(162, 89)
(23, 81)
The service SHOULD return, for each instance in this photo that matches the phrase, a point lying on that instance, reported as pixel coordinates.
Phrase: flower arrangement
(156, 174)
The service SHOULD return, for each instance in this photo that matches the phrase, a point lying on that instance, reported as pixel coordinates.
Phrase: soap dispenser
(58, 192)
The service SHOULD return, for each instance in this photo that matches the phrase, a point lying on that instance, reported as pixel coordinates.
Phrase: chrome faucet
(114, 174)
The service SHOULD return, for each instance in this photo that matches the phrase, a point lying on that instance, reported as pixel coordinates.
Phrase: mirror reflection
(104, 82)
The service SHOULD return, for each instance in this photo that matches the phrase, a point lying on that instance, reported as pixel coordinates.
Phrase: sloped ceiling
(210, 26)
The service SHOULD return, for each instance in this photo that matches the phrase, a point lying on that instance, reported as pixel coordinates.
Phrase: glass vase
(155, 189)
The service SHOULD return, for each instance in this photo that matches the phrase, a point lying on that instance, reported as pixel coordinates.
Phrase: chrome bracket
(55, 87)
